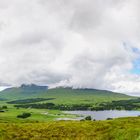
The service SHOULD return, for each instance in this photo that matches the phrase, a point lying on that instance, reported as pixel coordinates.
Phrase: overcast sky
(79, 43)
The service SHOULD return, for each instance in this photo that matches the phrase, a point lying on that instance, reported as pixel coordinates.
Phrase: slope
(62, 95)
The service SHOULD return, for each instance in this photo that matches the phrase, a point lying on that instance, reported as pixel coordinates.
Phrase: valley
(33, 108)
(48, 104)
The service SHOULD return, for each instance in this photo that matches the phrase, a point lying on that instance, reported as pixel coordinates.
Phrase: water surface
(103, 115)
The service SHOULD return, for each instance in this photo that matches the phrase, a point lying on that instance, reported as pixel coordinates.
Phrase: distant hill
(62, 95)
(33, 88)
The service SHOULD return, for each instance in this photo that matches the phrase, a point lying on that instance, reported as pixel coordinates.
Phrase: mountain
(33, 88)
(62, 95)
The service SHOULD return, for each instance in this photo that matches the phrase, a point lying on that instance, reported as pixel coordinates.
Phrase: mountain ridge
(66, 95)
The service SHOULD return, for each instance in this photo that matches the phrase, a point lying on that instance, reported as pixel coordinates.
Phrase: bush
(4, 107)
(24, 115)
(109, 119)
(88, 118)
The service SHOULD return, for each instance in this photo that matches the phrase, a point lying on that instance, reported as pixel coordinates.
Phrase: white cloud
(77, 43)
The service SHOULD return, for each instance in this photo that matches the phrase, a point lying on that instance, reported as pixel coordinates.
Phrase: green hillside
(63, 95)
(39, 100)
(32, 113)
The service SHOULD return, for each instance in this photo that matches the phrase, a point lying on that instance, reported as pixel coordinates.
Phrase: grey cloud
(70, 43)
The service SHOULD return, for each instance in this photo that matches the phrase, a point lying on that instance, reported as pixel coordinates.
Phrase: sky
(78, 43)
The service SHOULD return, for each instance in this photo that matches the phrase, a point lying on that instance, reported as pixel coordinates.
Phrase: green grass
(66, 95)
(38, 115)
(42, 124)
(61, 95)
(118, 129)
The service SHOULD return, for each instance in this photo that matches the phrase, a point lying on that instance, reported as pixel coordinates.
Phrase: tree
(4, 107)
(24, 115)
(88, 118)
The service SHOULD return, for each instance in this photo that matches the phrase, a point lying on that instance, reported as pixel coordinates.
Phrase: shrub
(24, 115)
(88, 118)
(109, 119)
(4, 107)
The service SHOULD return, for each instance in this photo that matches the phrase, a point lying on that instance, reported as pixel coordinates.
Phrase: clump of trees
(54, 106)
(131, 104)
(32, 100)
(109, 119)
(2, 108)
(88, 118)
(24, 115)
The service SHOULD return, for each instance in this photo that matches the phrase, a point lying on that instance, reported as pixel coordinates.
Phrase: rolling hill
(48, 104)
(62, 95)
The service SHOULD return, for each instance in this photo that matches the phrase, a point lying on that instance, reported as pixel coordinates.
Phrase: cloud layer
(91, 43)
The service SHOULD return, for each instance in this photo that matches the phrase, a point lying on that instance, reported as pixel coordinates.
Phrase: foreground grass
(118, 129)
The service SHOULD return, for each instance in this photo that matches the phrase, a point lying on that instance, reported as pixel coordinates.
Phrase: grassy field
(57, 96)
(37, 115)
(43, 124)
(117, 129)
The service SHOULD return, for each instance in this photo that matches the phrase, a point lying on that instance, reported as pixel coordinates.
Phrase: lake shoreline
(103, 115)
